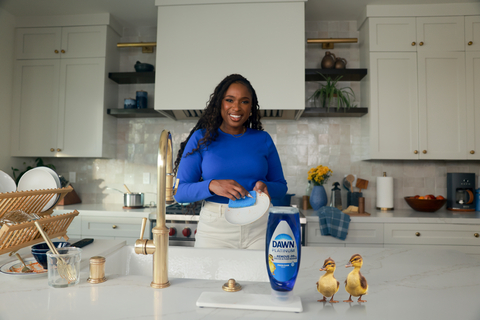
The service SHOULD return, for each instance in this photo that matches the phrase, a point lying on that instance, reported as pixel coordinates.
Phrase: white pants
(213, 231)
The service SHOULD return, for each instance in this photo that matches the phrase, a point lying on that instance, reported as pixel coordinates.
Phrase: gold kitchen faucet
(165, 191)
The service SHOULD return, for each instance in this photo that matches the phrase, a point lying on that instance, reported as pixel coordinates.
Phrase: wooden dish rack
(15, 237)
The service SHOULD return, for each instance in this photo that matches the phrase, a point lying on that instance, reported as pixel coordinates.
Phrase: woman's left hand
(262, 187)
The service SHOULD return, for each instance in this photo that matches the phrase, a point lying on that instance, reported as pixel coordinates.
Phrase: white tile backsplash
(302, 144)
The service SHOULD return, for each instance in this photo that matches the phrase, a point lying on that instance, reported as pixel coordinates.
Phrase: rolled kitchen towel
(384, 192)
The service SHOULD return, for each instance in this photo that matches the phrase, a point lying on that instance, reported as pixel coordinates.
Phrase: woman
(226, 155)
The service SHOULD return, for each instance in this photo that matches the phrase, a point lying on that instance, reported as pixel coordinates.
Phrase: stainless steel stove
(182, 223)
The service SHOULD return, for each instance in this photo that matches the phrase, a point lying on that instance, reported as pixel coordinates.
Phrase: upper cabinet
(417, 34)
(60, 43)
(418, 87)
(61, 90)
(472, 33)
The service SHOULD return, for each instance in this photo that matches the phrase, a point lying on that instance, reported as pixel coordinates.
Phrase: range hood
(200, 42)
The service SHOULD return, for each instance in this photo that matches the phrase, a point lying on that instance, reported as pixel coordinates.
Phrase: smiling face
(236, 108)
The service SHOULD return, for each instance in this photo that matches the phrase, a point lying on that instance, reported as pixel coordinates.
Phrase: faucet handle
(142, 230)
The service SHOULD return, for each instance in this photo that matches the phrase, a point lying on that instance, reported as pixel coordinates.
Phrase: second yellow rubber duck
(356, 284)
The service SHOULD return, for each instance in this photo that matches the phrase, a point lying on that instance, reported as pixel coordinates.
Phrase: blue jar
(477, 200)
(129, 103)
(142, 99)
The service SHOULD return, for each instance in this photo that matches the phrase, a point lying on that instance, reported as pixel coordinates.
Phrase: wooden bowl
(425, 205)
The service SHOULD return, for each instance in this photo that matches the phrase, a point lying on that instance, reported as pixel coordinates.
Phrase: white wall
(7, 24)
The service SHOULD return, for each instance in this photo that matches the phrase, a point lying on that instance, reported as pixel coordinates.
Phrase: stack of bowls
(39, 251)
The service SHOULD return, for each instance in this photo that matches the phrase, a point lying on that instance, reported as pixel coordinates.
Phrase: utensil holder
(352, 198)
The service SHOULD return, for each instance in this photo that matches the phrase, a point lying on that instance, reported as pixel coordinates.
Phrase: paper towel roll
(384, 192)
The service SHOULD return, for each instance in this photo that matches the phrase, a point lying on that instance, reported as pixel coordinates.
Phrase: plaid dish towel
(333, 222)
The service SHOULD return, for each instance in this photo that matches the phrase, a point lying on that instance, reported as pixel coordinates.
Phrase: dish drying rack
(24, 234)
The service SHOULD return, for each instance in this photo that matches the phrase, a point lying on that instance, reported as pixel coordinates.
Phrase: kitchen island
(404, 283)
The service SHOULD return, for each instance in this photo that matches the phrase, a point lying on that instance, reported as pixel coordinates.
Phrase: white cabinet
(442, 114)
(472, 33)
(440, 34)
(473, 104)
(359, 234)
(113, 228)
(107, 226)
(55, 43)
(60, 99)
(432, 234)
(416, 88)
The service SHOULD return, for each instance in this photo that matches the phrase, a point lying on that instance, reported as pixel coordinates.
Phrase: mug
(129, 104)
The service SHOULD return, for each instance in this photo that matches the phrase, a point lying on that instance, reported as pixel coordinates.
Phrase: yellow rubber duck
(356, 284)
(327, 285)
(271, 265)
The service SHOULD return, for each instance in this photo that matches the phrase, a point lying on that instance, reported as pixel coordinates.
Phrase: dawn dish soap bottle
(283, 249)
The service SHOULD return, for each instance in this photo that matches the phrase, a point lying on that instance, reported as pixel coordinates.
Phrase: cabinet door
(81, 106)
(472, 33)
(442, 110)
(112, 227)
(35, 115)
(436, 234)
(441, 34)
(392, 34)
(394, 108)
(473, 105)
(37, 43)
(84, 42)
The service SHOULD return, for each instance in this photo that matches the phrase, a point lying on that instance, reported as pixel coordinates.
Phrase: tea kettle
(336, 198)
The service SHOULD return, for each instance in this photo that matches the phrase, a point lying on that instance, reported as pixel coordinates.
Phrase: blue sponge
(242, 203)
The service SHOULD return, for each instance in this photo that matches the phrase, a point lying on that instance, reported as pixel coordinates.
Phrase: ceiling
(141, 13)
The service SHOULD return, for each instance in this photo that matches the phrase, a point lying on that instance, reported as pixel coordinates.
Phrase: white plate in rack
(38, 180)
(7, 184)
(247, 215)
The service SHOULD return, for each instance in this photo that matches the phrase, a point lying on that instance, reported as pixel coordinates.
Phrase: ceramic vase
(318, 198)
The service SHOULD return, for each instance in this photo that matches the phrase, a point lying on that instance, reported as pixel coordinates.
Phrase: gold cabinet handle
(424, 151)
(421, 43)
(63, 51)
(114, 227)
(56, 51)
(416, 151)
(470, 43)
(475, 235)
(59, 150)
(413, 43)
(472, 151)
(417, 234)
(52, 150)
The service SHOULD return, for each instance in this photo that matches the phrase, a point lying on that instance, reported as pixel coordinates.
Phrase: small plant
(38, 163)
(323, 96)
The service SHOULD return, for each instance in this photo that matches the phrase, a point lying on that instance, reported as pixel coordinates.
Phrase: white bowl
(7, 184)
(38, 180)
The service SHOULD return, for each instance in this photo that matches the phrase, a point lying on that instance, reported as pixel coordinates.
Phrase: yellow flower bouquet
(319, 175)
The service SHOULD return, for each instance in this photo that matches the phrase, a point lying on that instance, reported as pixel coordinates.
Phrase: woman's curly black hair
(211, 118)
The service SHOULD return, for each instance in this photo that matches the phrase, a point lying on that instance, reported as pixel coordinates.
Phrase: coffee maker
(461, 191)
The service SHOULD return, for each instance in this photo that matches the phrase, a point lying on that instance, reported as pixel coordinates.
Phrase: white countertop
(403, 284)
(410, 216)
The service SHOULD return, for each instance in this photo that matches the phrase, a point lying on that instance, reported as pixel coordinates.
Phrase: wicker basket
(15, 237)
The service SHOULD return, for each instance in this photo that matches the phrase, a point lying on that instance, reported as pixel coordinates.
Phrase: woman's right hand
(227, 188)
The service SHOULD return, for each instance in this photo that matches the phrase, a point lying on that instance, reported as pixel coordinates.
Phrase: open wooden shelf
(135, 113)
(132, 77)
(346, 74)
(333, 112)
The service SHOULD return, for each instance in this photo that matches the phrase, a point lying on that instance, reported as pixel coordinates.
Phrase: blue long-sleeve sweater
(246, 159)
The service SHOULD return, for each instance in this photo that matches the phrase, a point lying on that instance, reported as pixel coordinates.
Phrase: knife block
(71, 198)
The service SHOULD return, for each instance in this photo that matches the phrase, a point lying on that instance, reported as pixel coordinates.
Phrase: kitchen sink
(193, 263)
